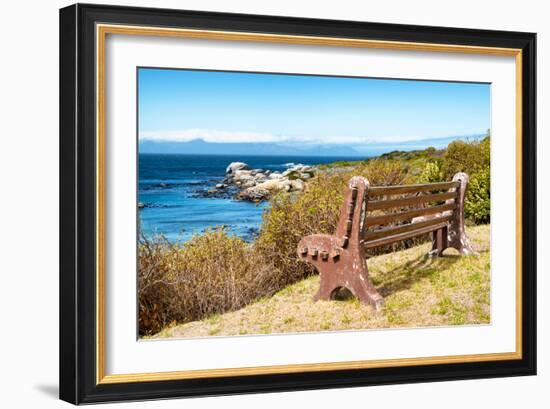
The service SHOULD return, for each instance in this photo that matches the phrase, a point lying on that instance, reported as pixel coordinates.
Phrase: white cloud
(208, 135)
(217, 136)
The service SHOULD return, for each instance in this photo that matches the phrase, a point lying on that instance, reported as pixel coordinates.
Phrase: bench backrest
(381, 215)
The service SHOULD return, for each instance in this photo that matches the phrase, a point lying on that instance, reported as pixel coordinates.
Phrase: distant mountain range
(199, 146)
(376, 149)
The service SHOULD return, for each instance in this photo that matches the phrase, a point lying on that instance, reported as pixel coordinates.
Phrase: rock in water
(257, 185)
(234, 166)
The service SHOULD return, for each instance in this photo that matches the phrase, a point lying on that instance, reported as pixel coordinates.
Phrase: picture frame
(83, 192)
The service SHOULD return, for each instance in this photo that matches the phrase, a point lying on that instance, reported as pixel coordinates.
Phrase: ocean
(169, 189)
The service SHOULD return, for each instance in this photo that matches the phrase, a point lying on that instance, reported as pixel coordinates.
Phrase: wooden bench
(372, 217)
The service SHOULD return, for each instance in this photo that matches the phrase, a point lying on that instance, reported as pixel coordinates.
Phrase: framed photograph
(257, 203)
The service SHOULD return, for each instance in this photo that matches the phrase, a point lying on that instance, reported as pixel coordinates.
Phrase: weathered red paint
(347, 266)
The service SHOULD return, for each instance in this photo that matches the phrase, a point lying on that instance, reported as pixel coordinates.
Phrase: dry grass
(209, 274)
(419, 291)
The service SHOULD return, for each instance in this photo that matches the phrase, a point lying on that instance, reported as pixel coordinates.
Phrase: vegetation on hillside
(418, 291)
(214, 273)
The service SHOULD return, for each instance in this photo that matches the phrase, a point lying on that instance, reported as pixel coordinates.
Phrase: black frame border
(78, 197)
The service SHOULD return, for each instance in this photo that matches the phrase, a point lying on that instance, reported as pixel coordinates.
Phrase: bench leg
(358, 282)
(361, 286)
(348, 269)
(439, 242)
(460, 241)
(457, 237)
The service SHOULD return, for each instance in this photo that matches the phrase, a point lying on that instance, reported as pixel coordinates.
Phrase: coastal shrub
(211, 273)
(429, 153)
(473, 158)
(469, 157)
(477, 206)
(431, 173)
(380, 172)
(155, 293)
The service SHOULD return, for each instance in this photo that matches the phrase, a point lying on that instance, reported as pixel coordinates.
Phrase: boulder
(248, 183)
(253, 194)
(242, 176)
(234, 166)
(297, 185)
(287, 185)
(272, 185)
(239, 173)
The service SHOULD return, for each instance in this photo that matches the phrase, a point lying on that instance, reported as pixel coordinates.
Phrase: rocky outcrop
(234, 166)
(257, 185)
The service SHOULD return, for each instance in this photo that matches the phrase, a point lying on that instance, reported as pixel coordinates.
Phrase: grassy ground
(418, 291)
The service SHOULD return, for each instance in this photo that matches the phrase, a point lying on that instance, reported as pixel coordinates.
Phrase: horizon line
(312, 143)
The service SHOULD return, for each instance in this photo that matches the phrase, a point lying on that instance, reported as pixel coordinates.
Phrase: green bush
(431, 173)
(473, 158)
(477, 206)
(469, 157)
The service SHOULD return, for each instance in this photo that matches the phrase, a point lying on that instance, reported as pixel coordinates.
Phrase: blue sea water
(168, 186)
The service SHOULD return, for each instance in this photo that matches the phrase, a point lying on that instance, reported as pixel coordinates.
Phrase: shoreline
(191, 193)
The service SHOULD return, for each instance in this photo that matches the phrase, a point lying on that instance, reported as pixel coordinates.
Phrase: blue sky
(182, 105)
